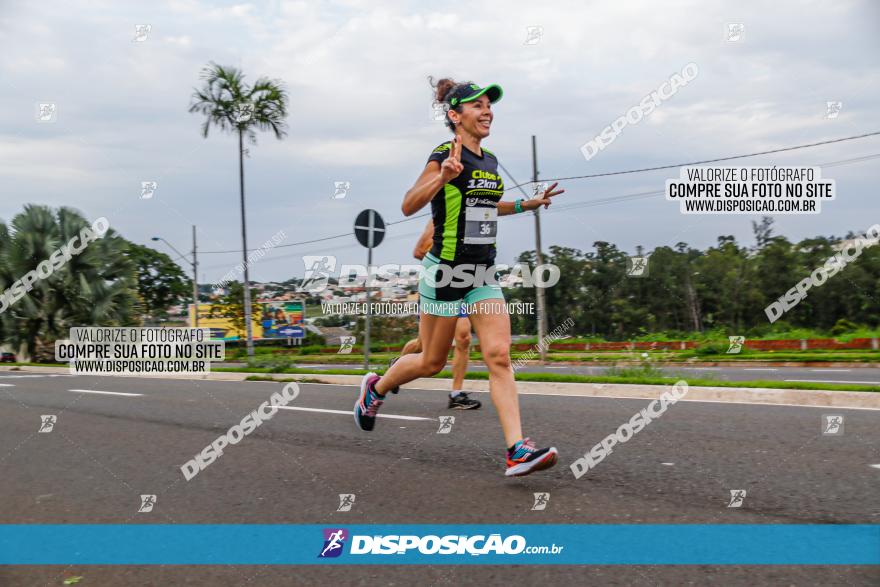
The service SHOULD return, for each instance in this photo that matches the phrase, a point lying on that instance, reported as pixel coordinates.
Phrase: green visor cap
(473, 91)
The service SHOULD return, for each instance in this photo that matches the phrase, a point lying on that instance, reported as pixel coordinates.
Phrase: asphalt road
(107, 449)
(854, 375)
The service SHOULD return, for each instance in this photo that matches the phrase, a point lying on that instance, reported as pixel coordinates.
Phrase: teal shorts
(442, 294)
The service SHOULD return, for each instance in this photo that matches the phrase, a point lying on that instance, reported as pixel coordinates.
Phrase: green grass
(712, 348)
(643, 371)
(632, 379)
(720, 335)
(301, 380)
(798, 356)
(671, 356)
(642, 374)
(36, 364)
(853, 356)
(334, 358)
(290, 370)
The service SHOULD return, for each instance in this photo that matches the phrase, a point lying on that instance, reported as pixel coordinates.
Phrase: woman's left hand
(545, 197)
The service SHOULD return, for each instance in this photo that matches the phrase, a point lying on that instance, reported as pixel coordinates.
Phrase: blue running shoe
(368, 403)
(523, 458)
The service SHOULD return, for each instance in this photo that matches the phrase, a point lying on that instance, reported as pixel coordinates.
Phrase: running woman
(458, 399)
(462, 184)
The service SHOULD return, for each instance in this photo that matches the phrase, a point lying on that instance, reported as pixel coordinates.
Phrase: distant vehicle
(7, 357)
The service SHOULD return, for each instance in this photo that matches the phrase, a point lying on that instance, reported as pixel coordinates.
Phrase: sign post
(369, 229)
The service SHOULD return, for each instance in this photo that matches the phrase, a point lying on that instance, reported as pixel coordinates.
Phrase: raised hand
(545, 198)
(451, 166)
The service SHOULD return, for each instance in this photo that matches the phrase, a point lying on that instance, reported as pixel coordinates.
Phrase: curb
(636, 363)
(733, 395)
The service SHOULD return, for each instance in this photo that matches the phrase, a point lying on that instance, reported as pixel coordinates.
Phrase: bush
(711, 348)
(312, 349)
(861, 332)
(843, 326)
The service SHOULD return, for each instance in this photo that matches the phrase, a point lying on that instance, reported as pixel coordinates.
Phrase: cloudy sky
(356, 73)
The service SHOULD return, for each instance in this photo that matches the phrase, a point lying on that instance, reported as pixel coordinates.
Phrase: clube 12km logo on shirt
(335, 539)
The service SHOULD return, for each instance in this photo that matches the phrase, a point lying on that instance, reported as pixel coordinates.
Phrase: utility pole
(195, 281)
(195, 268)
(539, 259)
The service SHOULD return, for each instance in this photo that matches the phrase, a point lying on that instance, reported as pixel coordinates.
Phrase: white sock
(455, 393)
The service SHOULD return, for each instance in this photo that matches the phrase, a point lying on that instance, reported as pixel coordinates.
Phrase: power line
(317, 240)
(504, 169)
(608, 200)
(606, 174)
(853, 160)
(338, 248)
(731, 158)
(314, 240)
(401, 221)
(557, 208)
(642, 195)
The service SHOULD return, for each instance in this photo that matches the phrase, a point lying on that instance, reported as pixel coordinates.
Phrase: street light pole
(194, 265)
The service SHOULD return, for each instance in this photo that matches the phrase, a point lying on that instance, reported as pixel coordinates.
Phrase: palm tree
(230, 104)
(97, 287)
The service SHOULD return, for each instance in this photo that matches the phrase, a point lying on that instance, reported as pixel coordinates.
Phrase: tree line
(114, 282)
(111, 282)
(687, 290)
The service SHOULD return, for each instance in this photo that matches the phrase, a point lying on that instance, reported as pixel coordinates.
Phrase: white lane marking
(7, 385)
(702, 401)
(348, 413)
(875, 466)
(833, 381)
(702, 368)
(106, 392)
(29, 376)
(698, 401)
(668, 464)
(756, 369)
(641, 399)
(831, 370)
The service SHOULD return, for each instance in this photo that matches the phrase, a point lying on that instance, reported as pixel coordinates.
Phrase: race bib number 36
(480, 226)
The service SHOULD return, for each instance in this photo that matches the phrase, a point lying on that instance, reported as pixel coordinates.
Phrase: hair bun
(442, 87)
